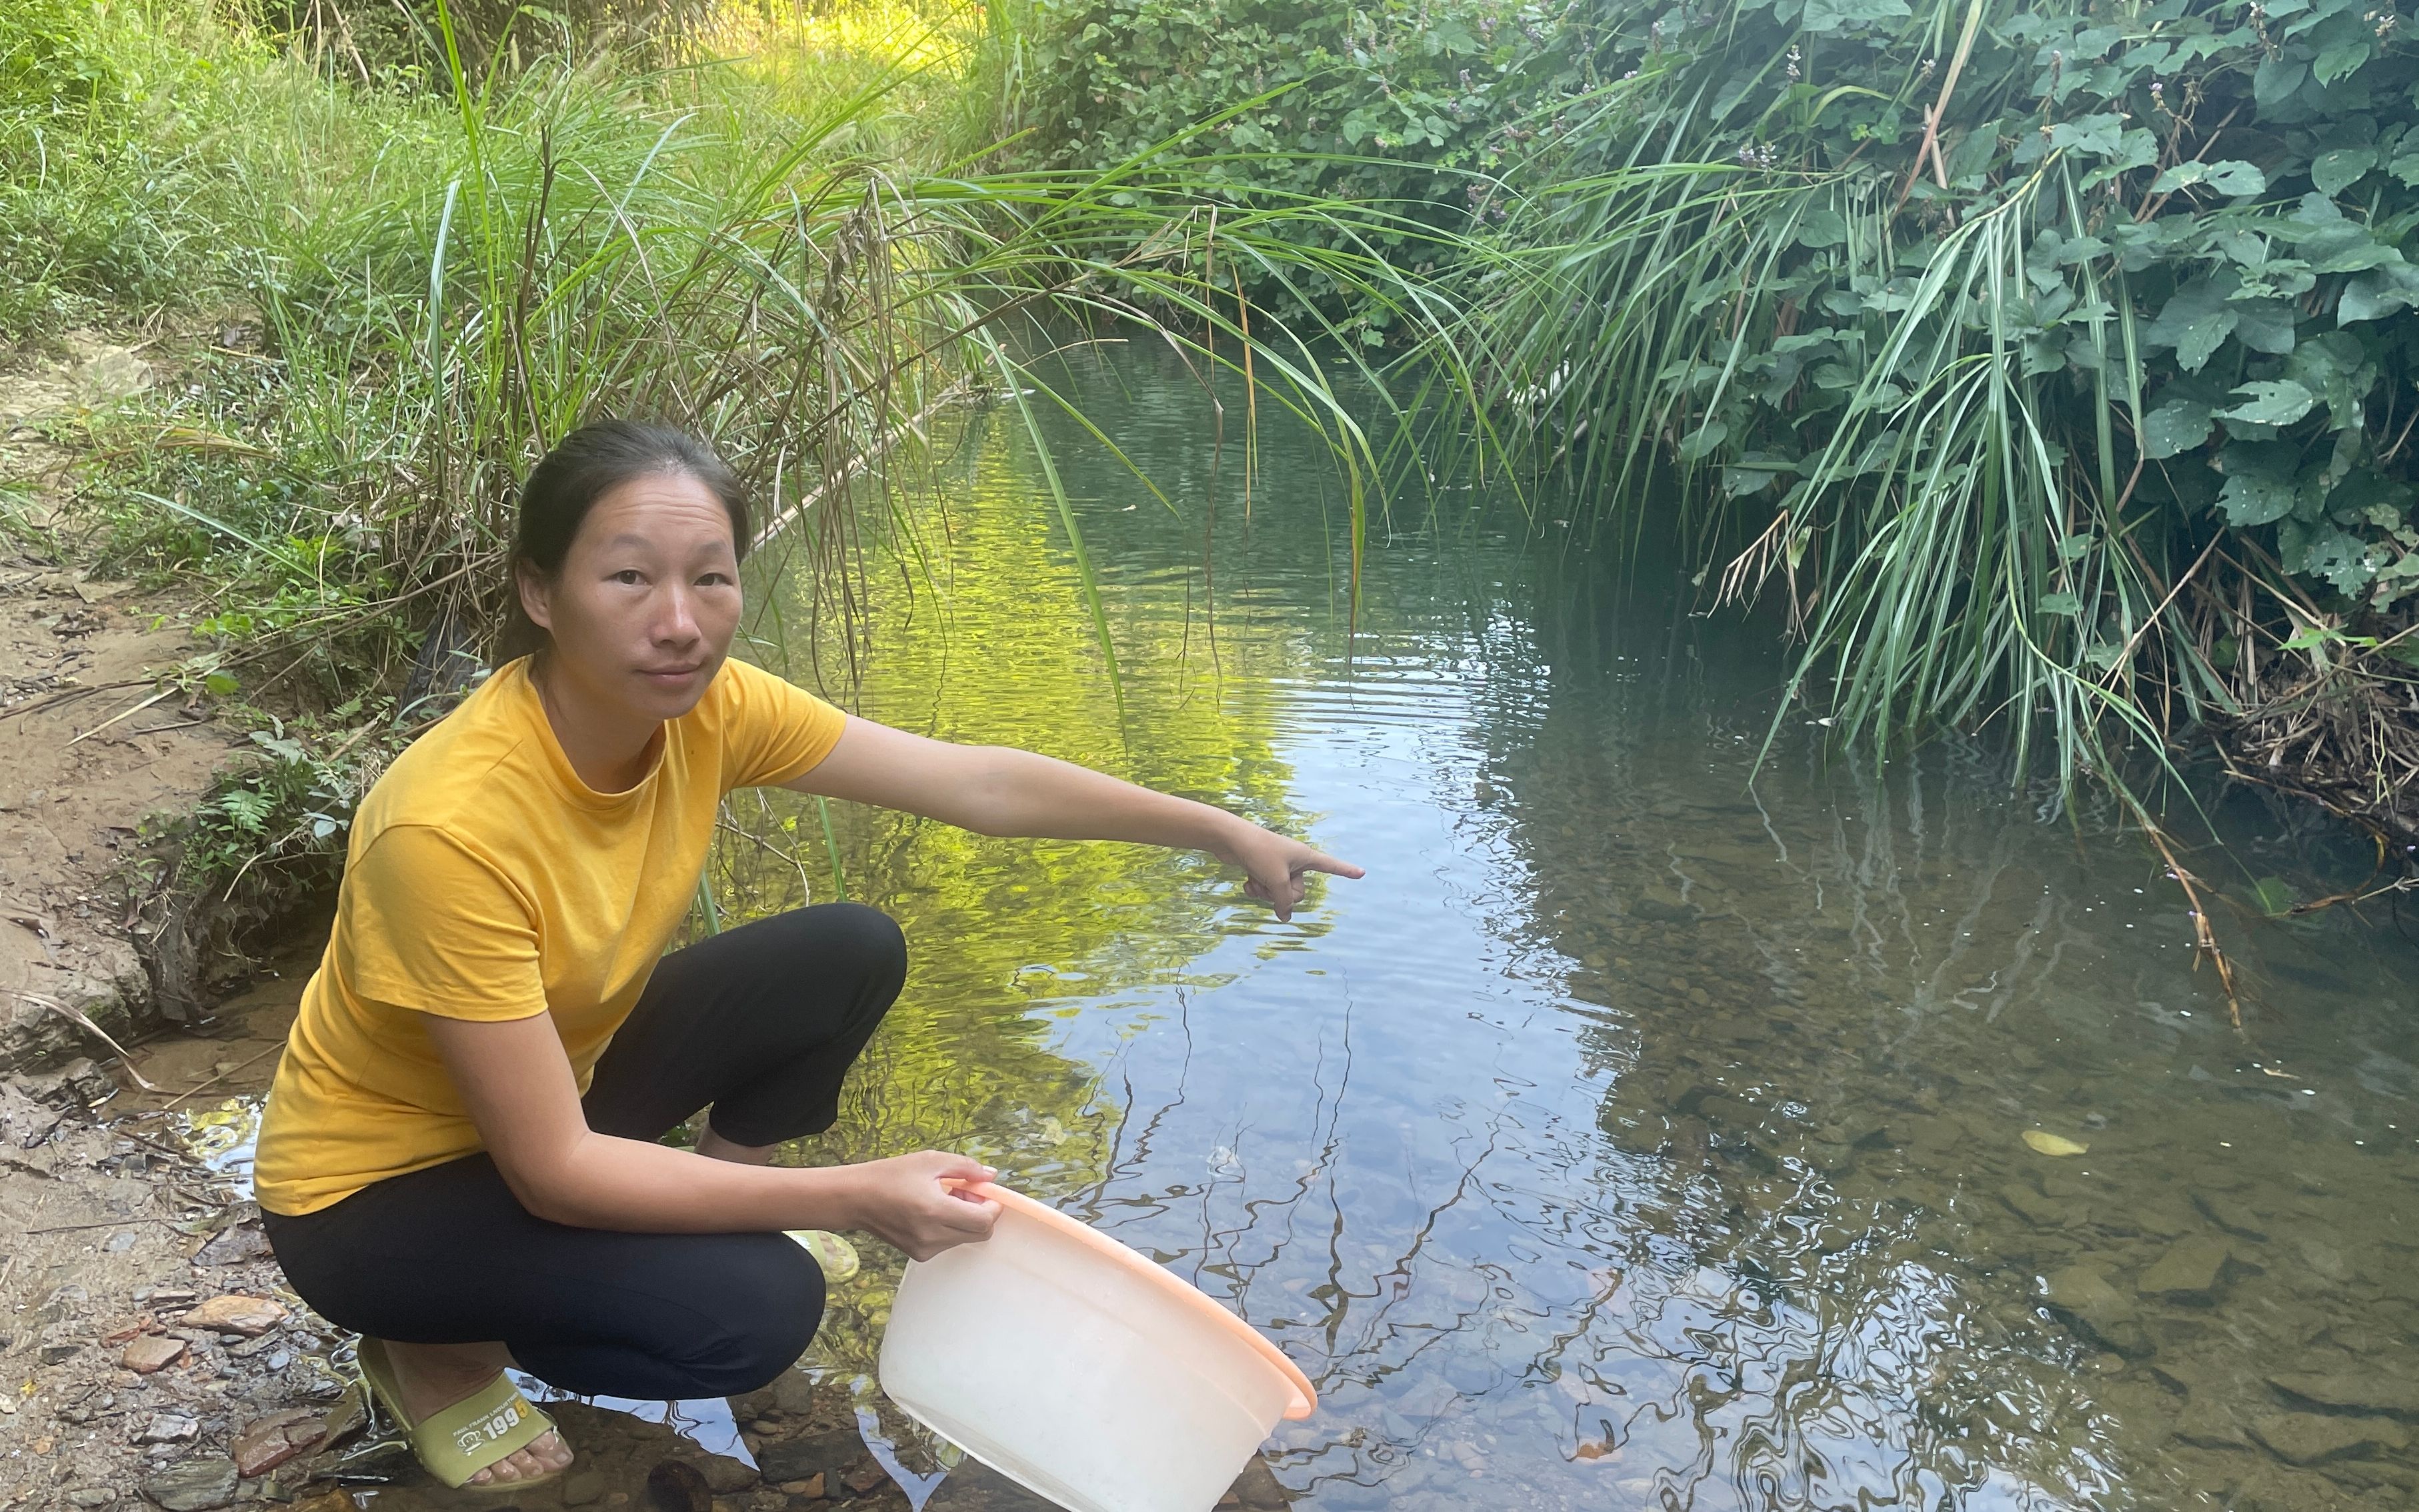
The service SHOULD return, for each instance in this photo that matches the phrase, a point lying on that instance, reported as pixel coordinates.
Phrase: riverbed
(1650, 1127)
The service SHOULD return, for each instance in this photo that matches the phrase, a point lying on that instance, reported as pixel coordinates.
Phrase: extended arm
(519, 1087)
(997, 790)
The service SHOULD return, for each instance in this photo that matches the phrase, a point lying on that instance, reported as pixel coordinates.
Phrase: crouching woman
(460, 1156)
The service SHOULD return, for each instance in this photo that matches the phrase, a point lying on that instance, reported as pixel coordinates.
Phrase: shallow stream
(1648, 1129)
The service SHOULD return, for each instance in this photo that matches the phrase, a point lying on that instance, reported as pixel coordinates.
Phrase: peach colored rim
(1188, 1295)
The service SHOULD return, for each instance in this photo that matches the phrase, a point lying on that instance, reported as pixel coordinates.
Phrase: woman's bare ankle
(434, 1376)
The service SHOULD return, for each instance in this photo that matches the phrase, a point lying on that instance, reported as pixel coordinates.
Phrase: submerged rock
(1661, 905)
(2084, 1294)
(677, 1485)
(2378, 1393)
(2230, 1214)
(725, 1475)
(269, 1441)
(790, 1460)
(2191, 1271)
(2035, 1209)
(2206, 1423)
(2309, 1438)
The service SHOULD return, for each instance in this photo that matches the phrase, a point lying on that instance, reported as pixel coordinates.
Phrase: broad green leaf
(2176, 427)
(2339, 63)
(2045, 1143)
(2376, 294)
(2341, 558)
(2196, 320)
(2060, 604)
(2276, 79)
(2136, 149)
(2334, 366)
(2275, 896)
(2263, 324)
(2201, 339)
(2230, 177)
(2097, 136)
(2333, 172)
(2255, 499)
(2317, 210)
(2351, 254)
(2271, 402)
(1821, 227)
(1703, 440)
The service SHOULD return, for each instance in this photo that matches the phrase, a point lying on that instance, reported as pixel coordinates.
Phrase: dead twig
(2204, 937)
(123, 714)
(220, 1077)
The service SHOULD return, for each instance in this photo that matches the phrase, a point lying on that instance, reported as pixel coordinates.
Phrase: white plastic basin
(1076, 1367)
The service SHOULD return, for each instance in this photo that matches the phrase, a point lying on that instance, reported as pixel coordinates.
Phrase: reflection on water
(1631, 1137)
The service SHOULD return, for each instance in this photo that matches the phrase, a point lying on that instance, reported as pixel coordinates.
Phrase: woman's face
(647, 601)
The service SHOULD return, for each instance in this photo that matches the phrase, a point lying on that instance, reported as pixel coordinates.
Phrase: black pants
(761, 1023)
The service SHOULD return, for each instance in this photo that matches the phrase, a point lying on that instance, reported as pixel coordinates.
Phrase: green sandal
(456, 1442)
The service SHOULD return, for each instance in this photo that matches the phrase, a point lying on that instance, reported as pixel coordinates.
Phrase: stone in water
(2190, 1271)
(271, 1441)
(2307, 1437)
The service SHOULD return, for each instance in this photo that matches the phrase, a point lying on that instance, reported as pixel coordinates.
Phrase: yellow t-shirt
(485, 880)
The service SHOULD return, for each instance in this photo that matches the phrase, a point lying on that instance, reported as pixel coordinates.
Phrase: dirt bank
(94, 738)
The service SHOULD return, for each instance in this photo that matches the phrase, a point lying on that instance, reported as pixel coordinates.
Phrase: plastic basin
(1076, 1367)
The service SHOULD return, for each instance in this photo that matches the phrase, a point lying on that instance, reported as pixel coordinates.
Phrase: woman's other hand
(1276, 865)
(914, 1201)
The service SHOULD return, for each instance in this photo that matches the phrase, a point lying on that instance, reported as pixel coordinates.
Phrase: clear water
(1647, 1129)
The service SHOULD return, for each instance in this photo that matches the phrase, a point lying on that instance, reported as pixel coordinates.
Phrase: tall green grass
(784, 249)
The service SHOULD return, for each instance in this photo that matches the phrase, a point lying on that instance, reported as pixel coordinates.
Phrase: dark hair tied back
(583, 466)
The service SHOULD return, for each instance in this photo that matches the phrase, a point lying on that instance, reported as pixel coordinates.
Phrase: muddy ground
(95, 733)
